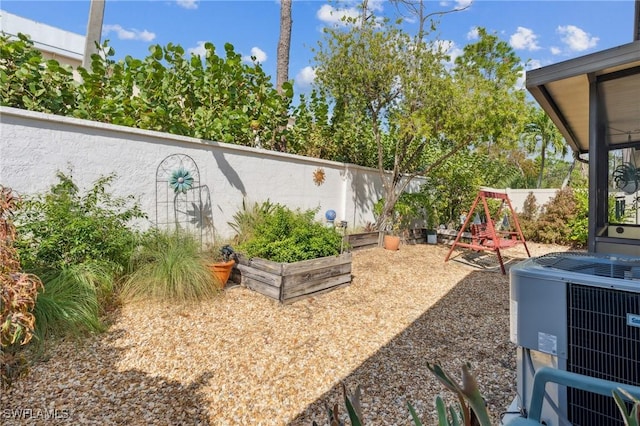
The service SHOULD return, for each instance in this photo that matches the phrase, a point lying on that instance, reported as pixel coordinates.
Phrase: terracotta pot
(222, 271)
(391, 242)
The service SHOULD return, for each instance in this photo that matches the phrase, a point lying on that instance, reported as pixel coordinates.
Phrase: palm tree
(284, 44)
(542, 136)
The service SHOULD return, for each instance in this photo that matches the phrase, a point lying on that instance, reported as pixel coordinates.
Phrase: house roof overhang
(563, 91)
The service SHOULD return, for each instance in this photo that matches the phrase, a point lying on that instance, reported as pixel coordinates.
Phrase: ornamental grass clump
(169, 266)
(72, 300)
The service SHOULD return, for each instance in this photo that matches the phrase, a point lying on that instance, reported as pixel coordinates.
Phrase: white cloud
(533, 64)
(473, 34)
(188, 4)
(462, 4)
(331, 15)
(198, 50)
(377, 5)
(258, 53)
(459, 4)
(449, 48)
(555, 50)
(306, 76)
(521, 82)
(524, 39)
(131, 34)
(576, 39)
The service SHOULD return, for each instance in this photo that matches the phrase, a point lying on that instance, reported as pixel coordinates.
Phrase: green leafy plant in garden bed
(170, 265)
(562, 220)
(285, 235)
(245, 220)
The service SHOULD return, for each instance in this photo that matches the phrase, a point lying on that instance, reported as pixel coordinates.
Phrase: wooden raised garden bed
(288, 282)
(415, 236)
(363, 240)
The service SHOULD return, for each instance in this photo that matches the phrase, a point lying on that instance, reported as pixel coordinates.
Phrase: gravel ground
(243, 359)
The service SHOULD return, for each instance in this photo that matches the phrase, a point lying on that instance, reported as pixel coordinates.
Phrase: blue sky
(541, 32)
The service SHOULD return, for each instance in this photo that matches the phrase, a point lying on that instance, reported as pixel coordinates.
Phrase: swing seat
(482, 237)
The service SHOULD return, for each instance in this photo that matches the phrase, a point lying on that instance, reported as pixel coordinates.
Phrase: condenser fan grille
(603, 345)
(605, 266)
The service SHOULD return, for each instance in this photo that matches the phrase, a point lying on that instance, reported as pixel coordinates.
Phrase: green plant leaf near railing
(630, 418)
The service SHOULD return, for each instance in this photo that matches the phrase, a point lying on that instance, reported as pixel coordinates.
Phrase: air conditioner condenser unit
(578, 312)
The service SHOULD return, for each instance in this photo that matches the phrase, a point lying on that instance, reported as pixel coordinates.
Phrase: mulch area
(243, 359)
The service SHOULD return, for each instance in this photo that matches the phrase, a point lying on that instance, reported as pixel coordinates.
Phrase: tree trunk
(541, 174)
(385, 221)
(284, 44)
(567, 179)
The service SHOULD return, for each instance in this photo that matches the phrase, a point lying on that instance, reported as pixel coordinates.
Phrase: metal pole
(636, 25)
(94, 31)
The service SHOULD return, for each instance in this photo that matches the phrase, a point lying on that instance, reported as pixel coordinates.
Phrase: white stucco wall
(34, 146)
(519, 196)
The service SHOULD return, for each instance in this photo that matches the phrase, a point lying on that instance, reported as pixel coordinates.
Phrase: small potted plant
(395, 226)
(626, 177)
(224, 261)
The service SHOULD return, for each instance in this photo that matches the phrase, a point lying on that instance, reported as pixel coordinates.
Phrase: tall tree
(488, 72)
(284, 45)
(417, 11)
(419, 114)
(543, 137)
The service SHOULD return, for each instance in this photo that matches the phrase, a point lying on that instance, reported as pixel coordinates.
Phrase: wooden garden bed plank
(312, 286)
(284, 281)
(297, 280)
(363, 240)
(315, 264)
(266, 277)
(316, 293)
(261, 287)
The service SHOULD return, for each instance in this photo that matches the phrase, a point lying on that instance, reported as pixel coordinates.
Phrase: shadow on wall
(445, 334)
(228, 171)
(105, 395)
(367, 190)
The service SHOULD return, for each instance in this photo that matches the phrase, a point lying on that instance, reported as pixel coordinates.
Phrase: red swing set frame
(484, 236)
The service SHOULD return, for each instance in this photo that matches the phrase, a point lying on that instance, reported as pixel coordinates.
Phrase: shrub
(290, 236)
(167, 91)
(169, 265)
(553, 223)
(64, 228)
(579, 223)
(528, 218)
(28, 81)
